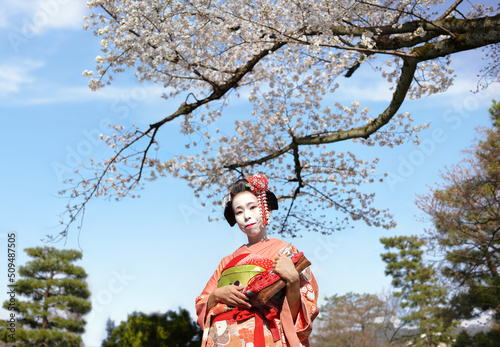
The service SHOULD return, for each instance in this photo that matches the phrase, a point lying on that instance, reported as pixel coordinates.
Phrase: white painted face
(247, 214)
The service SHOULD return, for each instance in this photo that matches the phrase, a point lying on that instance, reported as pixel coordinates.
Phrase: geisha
(224, 309)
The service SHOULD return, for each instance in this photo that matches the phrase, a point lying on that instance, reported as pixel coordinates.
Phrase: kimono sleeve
(302, 326)
(201, 300)
(309, 309)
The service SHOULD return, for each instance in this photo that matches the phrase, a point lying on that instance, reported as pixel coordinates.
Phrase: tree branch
(450, 9)
(231, 83)
(407, 73)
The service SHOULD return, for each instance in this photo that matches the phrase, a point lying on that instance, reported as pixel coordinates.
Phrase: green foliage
(421, 295)
(466, 214)
(170, 329)
(58, 297)
(463, 340)
(489, 339)
(494, 111)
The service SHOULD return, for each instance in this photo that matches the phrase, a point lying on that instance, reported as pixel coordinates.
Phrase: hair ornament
(258, 186)
(226, 199)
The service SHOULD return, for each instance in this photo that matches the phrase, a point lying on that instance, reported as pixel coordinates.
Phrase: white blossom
(87, 73)
(285, 59)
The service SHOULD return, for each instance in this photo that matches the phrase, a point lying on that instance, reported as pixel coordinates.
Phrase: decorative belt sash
(240, 315)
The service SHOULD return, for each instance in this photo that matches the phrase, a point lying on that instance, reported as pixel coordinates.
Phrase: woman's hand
(285, 268)
(230, 295)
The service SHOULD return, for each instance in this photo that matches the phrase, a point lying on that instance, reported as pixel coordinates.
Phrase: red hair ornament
(258, 186)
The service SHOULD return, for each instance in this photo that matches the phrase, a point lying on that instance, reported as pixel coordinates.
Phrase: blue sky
(156, 253)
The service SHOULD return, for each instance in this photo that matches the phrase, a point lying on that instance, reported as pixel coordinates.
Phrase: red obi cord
(240, 315)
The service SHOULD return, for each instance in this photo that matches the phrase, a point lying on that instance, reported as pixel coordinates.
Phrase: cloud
(364, 90)
(14, 76)
(34, 17)
(48, 93)
(62, 13)
(131, 95)
(21, 85)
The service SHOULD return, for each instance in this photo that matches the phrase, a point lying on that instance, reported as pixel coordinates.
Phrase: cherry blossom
(285, 58)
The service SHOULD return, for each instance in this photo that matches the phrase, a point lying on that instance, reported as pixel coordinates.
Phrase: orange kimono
(276, 319)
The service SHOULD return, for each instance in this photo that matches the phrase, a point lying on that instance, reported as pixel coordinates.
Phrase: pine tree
(58, 298)
(421, 294)
(465, 211)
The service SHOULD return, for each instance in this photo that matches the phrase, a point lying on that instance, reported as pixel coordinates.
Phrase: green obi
(238, 275)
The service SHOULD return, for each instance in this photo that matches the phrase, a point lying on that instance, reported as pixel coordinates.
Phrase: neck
(257, 238)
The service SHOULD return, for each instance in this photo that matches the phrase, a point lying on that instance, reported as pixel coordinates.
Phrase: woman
(224, 309)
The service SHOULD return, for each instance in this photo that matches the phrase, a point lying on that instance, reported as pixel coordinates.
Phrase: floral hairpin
(258, 186)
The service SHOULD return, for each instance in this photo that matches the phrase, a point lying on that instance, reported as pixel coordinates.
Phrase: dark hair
(240, 186)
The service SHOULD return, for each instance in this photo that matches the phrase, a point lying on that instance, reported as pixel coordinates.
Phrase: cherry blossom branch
(209, 50)
(144, 157)
(285, 220)
(80, 208)
(473, 34)
(336, 204)
(407, 73)
(222, 90)
(427, 52)
(450, 9)
(412, 14)
(184, 109)
(300, 184)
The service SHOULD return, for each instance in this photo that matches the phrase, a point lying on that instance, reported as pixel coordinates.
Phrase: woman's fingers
(240, 297)
(284, 267)
(282, 262)
(233, 296)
